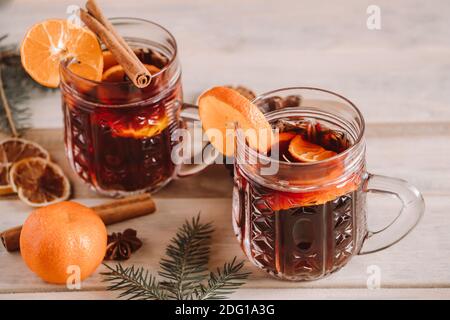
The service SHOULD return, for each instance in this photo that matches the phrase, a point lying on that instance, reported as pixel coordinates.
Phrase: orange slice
(39, 182)
(114, 74)
(117, 74)
(221, 109)
(141, 131)
(286, 136)
(5, 187)
(12, 150)
(305, 151)
(108, 60)
(287, 200)
(48, 43)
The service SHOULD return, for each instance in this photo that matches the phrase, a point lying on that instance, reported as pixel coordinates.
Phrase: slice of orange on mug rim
(223, 110)
(48, 43)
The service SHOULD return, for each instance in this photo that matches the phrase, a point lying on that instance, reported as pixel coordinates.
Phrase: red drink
(300, 213)
(300, 235)
(118, 137)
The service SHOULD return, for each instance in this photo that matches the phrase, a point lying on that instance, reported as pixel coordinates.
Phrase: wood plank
(399, 73)
(292, 23)
(383, 85)
(397, 76)
(197, 186)
(261, 294)
(418, 261)
(418, 153)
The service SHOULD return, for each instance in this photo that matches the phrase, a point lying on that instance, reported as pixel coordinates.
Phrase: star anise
(246, 92)
(122, 245)
(276, 103)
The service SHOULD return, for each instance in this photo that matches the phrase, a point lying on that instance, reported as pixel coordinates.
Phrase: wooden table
(398, 76)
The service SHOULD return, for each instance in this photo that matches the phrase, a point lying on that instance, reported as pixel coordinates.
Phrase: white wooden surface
(398, 76)
(417, 262)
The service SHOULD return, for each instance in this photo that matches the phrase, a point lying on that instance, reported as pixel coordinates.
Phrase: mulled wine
(300, 235)
(299, 209)
(118, 136)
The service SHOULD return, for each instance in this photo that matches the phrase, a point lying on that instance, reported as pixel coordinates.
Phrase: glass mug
(307, 220)
(117, 136)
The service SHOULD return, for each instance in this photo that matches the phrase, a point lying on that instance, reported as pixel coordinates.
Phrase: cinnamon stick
(130, 63)
(93, 8)
(110, 212)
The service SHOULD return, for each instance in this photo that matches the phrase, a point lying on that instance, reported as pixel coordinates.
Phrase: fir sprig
(17, 87)
(183, 272)
(188, 255)
(222, 282)
(136, 283)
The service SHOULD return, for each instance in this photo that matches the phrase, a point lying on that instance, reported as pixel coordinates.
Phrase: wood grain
(418, 153)
(398, 76)
(401, 266)
(262, 294)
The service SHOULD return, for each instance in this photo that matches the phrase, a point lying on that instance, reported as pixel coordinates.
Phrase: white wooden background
(399, 77)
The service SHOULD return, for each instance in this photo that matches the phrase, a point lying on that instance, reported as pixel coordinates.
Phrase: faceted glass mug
(307, 220)
(118, 136)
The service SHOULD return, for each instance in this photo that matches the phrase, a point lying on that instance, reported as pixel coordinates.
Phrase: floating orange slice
(117, 74)
(139, 132)
(221, 109)
(108, 60)
(114, 74)
(48, 43)
(287, 200)
(305, 151)
(286, 136)
(39, 182)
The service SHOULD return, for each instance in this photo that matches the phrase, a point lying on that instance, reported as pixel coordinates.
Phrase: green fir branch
(223, 282)
(183, 272)
(187, 258)
(18, 87)
(135, 283)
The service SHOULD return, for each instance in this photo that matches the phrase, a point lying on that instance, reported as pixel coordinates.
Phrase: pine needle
(135, 283)
(183, 272)
(188, 255)
(6, 107)
(16, 88)
(223, 282)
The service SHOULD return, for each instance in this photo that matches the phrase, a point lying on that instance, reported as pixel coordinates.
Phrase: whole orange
(63, 235)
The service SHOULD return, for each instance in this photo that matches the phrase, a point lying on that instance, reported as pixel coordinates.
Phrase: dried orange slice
(306, 151)
(12, 150)
(5, 187)
(15, 149)
(117, 74)
(39, 182)
(221, 109)
(48, 43)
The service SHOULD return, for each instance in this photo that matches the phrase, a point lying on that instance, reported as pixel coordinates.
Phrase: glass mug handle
(412, 210)
(189, 113)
